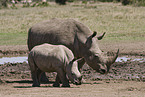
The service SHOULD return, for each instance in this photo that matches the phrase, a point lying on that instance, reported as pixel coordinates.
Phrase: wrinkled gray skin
(77, 37)
(54, 58)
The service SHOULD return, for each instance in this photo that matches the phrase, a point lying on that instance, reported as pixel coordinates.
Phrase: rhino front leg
(63, 78)
(57, 82)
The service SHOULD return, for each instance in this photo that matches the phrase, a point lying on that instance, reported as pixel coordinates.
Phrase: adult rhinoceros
(77, 37)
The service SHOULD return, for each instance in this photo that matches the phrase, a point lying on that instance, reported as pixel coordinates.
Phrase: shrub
(61, 2)
(139, 2)
(13, 6)
(125, 2)
(3, 3)
(133, 2)
(26, 5)
(43, 4)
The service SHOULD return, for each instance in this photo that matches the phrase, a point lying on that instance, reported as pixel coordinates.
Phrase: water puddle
(21, 59)
(124, 59)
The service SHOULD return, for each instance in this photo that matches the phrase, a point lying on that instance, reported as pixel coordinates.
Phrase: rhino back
(57, 31)
(49, 57)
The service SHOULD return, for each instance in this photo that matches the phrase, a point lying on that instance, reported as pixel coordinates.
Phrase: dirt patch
(132, 49)
(13, 50)
(124, 79)
(130, 70)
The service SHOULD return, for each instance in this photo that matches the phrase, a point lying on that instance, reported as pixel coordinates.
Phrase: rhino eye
(91, 57)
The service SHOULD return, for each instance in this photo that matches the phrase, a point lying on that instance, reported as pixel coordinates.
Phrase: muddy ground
(124, 78)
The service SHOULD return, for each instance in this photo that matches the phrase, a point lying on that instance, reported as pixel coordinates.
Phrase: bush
(40, 4)
(61, 2)
(106, 0)
(139, 2)
(26, 5)
(133, 2)
(3, 3)
(13, 6)
(125, 2)
(43, 4)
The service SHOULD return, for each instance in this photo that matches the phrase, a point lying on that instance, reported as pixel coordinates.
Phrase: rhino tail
(29, 40)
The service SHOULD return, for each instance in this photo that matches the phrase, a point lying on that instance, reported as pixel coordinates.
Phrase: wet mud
(129, 70)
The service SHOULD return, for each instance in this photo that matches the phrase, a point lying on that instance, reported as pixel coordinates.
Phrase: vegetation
(122, 23)
(3, 4)
(61, 2)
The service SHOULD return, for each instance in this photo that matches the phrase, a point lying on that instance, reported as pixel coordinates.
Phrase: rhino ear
(94, 34)
(101, 36)
(89, 39)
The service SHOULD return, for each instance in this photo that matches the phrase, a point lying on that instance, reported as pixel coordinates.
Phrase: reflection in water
(24, 59)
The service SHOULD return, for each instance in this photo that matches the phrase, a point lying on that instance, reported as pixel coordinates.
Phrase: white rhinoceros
(77, 37)
(54, 58)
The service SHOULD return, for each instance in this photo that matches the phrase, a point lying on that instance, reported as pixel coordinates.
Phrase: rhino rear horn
(101, 36)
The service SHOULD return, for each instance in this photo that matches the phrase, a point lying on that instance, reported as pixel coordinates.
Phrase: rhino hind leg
(35, 79)
(43, 78)
(39, 73)
(33, 69)
(62, 76)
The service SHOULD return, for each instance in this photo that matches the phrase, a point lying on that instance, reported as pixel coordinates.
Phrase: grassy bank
(122, 23)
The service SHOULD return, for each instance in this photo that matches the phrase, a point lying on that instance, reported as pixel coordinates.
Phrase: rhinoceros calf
(54, 58)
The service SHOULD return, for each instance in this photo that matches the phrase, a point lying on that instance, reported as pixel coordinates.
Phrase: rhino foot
(65, 85)
(34, 85)
(56, 85)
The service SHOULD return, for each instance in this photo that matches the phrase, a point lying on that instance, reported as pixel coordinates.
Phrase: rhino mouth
(78, 81)
(102, 71)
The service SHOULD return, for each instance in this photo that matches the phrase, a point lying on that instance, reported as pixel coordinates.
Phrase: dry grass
(122, 23)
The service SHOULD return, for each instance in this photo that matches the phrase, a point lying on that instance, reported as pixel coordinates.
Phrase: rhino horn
(94, 34)
(77, 59)
(101, 36)
(111, 60)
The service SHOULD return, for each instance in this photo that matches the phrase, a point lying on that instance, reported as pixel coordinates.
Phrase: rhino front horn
(112, 59)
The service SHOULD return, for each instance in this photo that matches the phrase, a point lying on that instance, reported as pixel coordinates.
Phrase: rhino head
(94, 57)
(73, 73)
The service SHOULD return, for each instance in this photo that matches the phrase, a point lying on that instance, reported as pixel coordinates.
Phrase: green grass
(122, 23)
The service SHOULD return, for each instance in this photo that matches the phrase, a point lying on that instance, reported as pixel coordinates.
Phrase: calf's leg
(57, 81)
(33, 69)
(63, 78)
